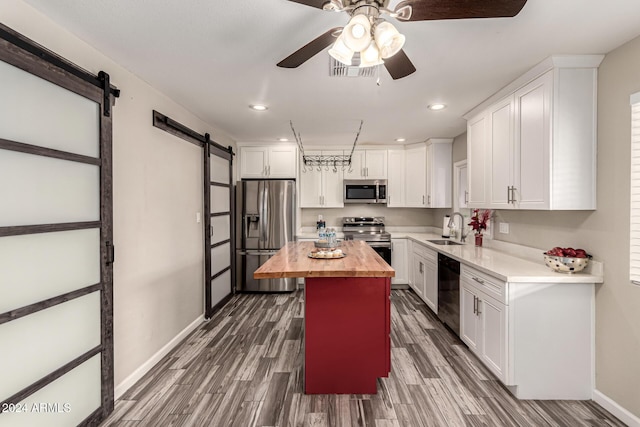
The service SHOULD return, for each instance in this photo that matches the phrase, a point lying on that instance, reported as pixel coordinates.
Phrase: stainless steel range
(371, 230)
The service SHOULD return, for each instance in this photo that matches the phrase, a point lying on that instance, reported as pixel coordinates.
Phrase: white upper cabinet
(501, 164)
(268, 161)
(395, 179)
(439, 172)
(416, 176)
(428, 174)
(477, 154)
(321, 187)
(367, 164)
(535, 147)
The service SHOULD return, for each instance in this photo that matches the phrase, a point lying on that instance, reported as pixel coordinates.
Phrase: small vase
(478, 239)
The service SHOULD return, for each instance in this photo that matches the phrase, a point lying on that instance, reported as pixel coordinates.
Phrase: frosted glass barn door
(55, 240)
(218, 231)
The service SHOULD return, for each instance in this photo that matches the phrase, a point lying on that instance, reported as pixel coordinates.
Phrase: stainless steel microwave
(365, 191)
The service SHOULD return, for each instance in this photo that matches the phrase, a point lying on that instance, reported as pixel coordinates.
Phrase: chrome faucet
(451, 224)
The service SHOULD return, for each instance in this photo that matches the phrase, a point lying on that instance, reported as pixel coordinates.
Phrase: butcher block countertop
(293, 261)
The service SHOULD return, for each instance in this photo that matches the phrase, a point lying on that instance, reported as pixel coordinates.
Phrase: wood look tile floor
(244, 368)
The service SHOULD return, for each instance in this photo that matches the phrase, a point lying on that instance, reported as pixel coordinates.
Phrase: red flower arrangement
(479, 220)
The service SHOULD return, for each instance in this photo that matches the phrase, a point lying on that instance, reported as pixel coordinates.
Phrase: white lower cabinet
(483, 319)
(417, 274)
(536, 338)
(424, 266)
(400, 261)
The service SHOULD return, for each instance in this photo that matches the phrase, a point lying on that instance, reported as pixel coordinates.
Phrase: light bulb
(357, 33)
(370, 56)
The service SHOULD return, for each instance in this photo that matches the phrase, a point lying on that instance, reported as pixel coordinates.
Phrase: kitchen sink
(444, 242)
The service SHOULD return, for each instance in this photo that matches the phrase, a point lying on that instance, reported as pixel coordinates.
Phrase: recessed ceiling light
(283, 139)
(436, 107)
(258, 107)
(400, 139)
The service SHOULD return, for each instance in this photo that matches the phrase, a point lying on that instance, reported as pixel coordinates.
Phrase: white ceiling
(216, 57)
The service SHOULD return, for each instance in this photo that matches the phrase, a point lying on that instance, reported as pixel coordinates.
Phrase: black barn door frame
(24, 53)
(167, 124)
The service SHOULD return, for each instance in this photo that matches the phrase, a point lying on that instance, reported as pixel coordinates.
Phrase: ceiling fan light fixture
(370, 57)
(388, 39)
(340, 52)
(357, 33)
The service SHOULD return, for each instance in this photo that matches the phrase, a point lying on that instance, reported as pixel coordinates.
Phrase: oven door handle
(380, 244)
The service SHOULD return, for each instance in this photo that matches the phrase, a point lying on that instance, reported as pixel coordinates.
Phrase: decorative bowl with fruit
(566, 260)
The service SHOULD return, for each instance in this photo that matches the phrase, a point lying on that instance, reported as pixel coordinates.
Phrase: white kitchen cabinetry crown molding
(554, 61)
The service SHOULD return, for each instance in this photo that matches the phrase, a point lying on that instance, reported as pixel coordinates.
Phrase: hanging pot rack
(327, 161)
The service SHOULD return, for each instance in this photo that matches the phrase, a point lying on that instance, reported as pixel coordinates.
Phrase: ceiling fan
(369, 40)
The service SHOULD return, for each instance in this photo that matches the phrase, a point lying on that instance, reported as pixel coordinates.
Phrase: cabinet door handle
(429, 199)
(474, 304)
(269, 169)
(423, 200)
(421, 268)
(513, 195)
(478, 312)
(478, 280)
(466, 197)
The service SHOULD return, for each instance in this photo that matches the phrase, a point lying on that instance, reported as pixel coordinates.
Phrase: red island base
(347, 334)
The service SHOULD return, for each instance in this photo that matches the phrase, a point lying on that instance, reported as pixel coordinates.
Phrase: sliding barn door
(55, 240)
(219, 205)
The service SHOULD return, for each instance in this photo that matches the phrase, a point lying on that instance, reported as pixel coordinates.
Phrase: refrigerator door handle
(264, 217)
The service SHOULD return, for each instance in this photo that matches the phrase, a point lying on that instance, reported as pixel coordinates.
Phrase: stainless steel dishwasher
(449, 292)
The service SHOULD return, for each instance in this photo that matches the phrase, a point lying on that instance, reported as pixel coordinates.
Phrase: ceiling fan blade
(313, 3)
(309, 50)
(399, 65)
(425, 10)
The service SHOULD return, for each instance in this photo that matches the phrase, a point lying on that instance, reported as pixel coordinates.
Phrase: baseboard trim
(153, 360)
(612, 406)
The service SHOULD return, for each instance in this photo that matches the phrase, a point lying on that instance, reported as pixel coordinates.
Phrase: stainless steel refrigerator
(266, 222)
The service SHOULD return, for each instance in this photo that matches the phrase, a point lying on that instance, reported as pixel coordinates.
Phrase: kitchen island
(347, 315)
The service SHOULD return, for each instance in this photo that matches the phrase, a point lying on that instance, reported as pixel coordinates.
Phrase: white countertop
(497, 261)
(500, 264)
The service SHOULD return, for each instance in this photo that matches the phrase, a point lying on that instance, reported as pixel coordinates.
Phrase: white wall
(158, 273)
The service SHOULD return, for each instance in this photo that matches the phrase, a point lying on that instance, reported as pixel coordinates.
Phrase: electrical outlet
(198, 217)
(504, 227)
